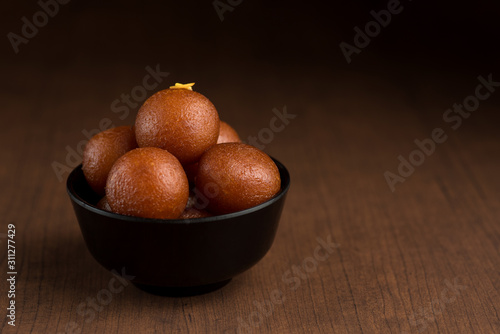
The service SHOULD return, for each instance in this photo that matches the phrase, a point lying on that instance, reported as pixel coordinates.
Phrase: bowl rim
(284, 174)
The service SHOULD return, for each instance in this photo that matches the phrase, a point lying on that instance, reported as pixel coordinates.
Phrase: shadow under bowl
(177, 257)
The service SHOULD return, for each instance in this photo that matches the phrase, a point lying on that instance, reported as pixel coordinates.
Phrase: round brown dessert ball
(227, 134)
(190, 213)
(181, 121)
(104, 205)
(148, 182)
(102, 151)
(195, 207)
(236, 176)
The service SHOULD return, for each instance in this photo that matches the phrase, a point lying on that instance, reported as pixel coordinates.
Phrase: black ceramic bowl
(177, 257)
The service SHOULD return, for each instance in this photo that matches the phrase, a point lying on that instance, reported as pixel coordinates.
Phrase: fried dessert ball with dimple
(102, 151)
(227, 134)
(148, 182)
(236, 176)
(181, 121)
(103, 204)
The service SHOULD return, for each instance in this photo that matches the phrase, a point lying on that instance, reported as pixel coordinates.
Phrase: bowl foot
(181, 291)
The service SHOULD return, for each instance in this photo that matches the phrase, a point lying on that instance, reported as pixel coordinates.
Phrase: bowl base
(181, 291)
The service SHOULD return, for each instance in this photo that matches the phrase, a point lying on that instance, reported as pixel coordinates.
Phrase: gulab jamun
(190, 213)
(227, 134)
(236, 176)
(102, 151)
(194, 208)
(181, 121)
(103, 204)
(148, 182)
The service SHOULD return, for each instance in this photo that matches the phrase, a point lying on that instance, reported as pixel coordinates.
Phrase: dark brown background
(398, 251)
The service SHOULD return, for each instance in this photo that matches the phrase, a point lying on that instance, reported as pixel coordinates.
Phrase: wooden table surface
(422, 258)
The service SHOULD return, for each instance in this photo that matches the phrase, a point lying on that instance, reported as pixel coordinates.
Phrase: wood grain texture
(422, 259)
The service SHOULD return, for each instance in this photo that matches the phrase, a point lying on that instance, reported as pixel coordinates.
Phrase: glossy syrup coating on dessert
(236, 176)
(148, 182)
(181, 121)
(227, 134)
(102, 151)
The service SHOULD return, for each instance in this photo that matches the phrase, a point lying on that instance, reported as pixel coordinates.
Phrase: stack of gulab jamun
(178, 161)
